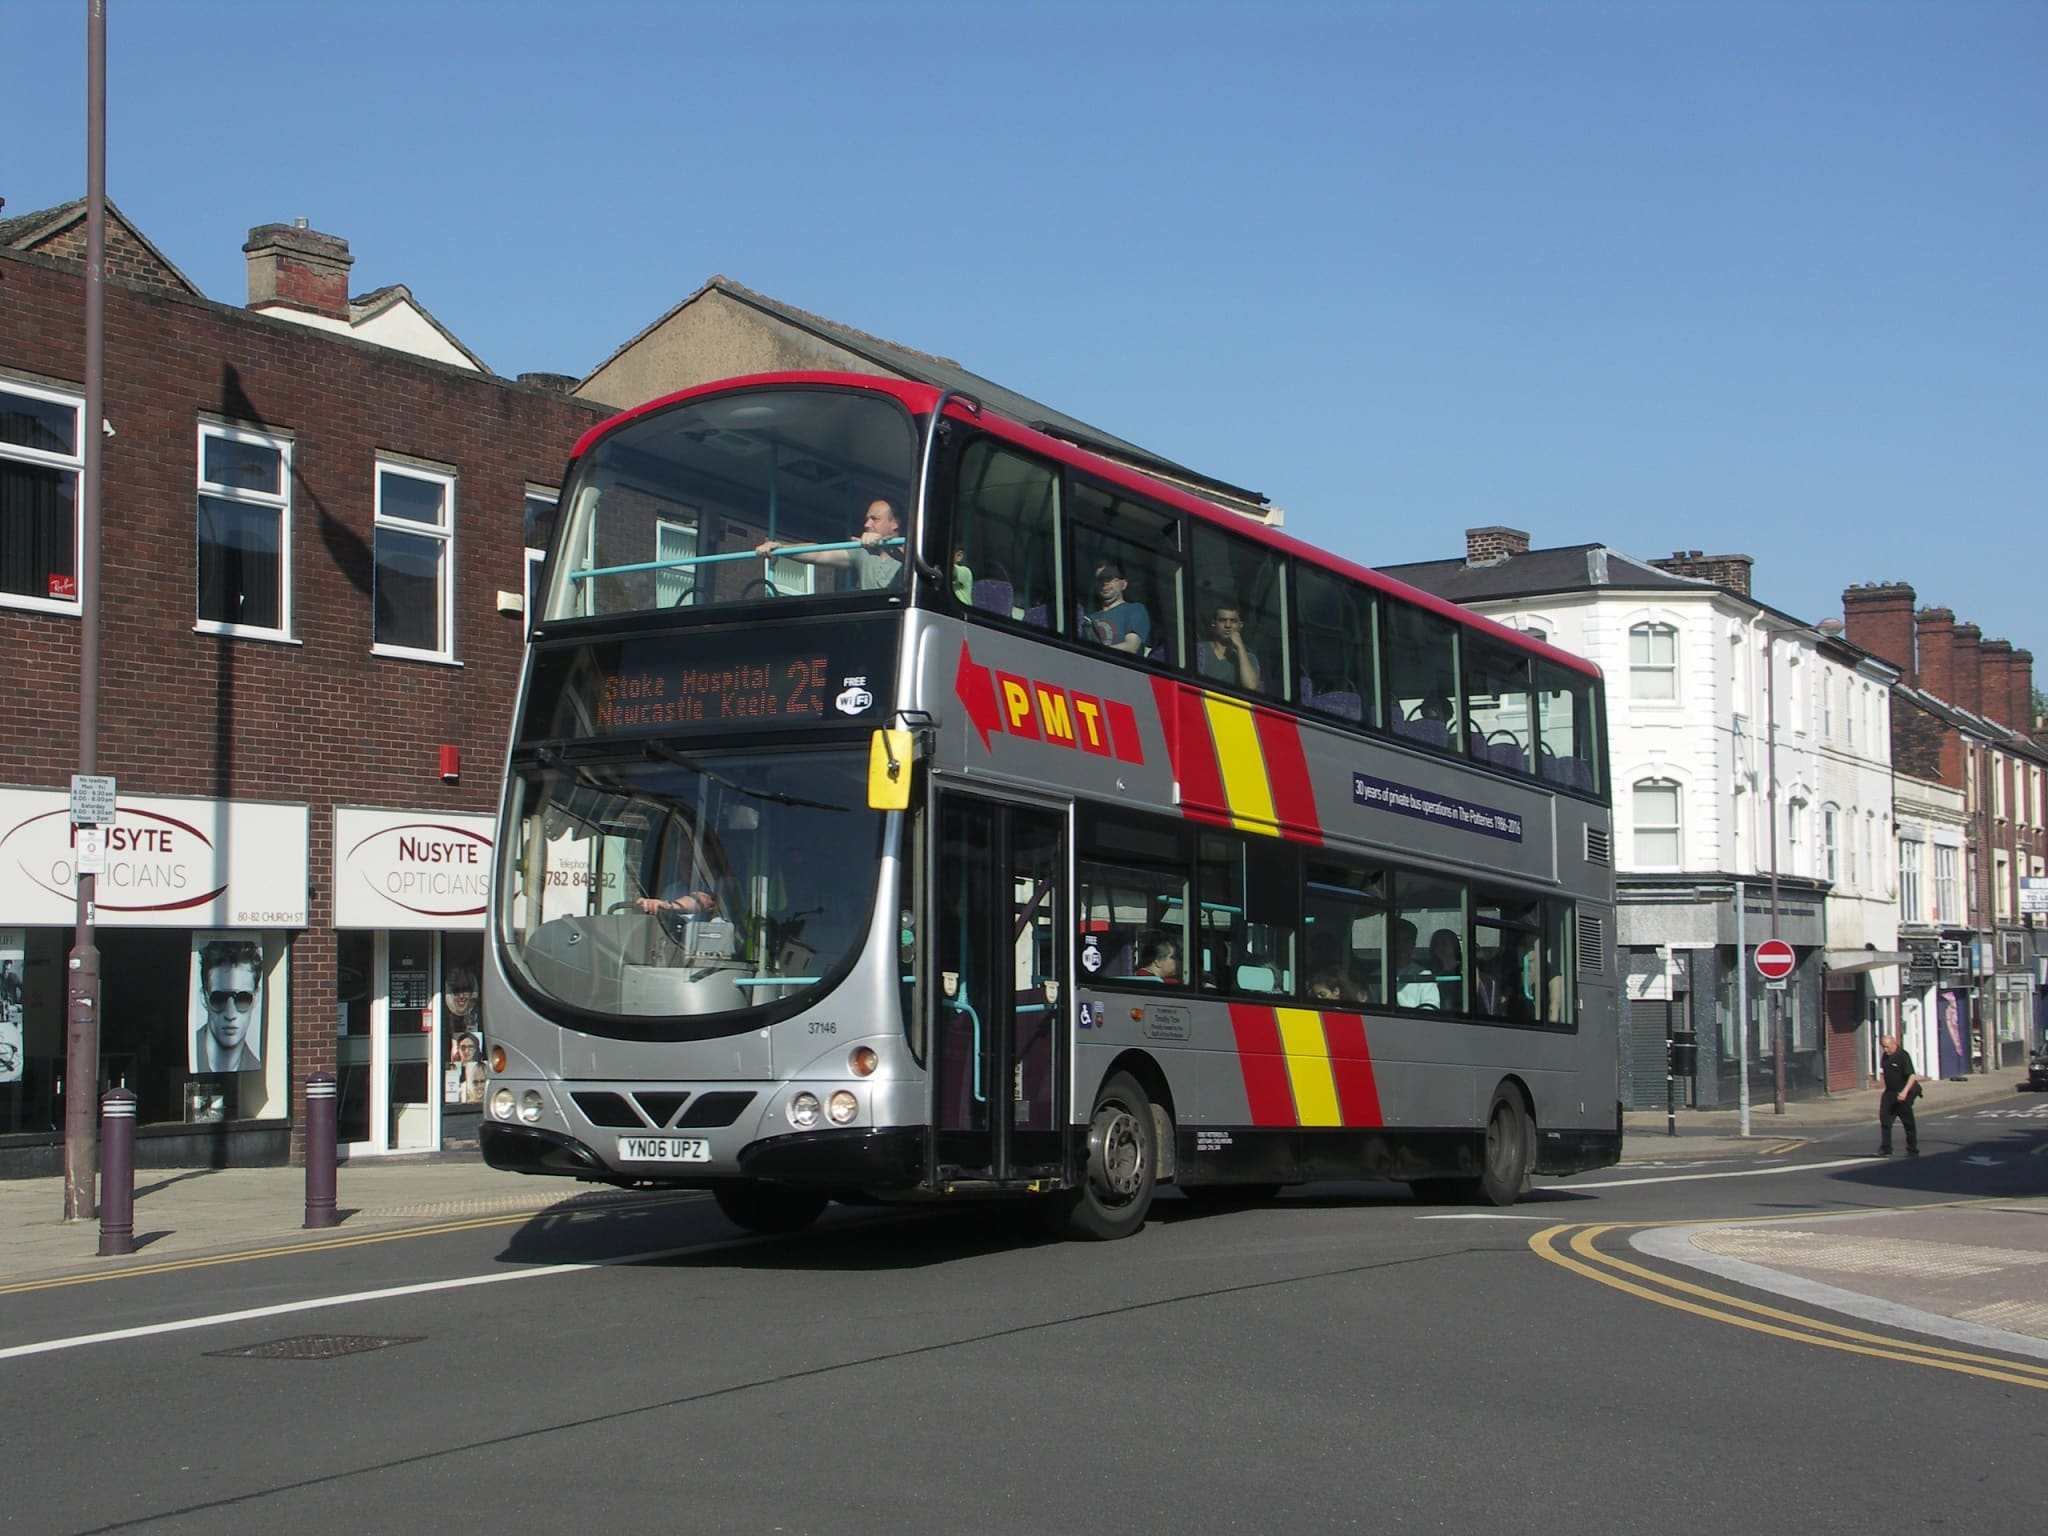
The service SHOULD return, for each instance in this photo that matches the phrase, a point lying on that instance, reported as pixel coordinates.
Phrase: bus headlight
(863, 1061)
(529, 1105)
(501, 1104)
(842, 1107)
(803, 1111)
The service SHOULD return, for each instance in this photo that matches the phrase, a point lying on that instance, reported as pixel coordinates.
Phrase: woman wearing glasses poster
(227, 1022)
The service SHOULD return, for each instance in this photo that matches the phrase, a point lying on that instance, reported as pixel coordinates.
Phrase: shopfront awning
(1844, 961)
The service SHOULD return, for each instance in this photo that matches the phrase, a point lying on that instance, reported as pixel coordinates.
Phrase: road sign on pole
(1775, 960)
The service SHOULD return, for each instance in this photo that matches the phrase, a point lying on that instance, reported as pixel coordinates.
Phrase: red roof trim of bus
(918, 398)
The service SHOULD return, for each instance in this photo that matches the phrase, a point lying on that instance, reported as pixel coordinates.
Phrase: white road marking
(316, 1303)
(1736, 1173)
(1481, 1216)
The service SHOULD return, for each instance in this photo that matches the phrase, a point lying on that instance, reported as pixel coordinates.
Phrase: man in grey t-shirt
(878, 563)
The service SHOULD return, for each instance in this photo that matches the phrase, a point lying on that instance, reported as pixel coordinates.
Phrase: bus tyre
(1504, 1169)
(1123, 1158)
(762, 1207)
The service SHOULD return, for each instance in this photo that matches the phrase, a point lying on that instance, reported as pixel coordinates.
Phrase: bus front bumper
(884, 1158)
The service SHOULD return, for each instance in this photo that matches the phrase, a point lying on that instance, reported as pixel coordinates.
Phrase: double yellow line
(1586, 1259)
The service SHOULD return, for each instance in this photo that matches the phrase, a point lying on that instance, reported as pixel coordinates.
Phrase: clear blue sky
(1768, 278)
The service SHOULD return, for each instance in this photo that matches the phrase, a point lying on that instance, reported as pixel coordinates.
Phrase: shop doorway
(388, 1051)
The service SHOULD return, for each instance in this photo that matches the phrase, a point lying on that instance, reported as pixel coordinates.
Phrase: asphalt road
(1342, 1359)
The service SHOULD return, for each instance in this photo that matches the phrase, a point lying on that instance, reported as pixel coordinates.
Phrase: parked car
(2037, 1068)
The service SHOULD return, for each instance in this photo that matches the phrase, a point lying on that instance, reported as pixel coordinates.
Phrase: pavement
(1982, 1263)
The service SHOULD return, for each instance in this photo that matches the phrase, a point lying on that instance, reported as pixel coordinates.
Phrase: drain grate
(316, 1346)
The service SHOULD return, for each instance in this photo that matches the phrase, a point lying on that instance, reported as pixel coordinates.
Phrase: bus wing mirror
(889, 771)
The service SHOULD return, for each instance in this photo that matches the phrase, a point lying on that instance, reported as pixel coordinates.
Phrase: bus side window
(1422, 676)
(1006, 547)
(1128, 575)
(1241, 631)
(1249, 897)
(1497, 705)
(1339, 667)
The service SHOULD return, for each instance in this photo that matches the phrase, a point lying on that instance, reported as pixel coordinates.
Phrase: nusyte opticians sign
(402, 869)
(171, 862)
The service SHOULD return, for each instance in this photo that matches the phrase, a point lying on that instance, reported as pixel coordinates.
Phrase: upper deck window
(752, 496)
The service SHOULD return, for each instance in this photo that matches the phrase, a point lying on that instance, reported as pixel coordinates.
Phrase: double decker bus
(905, 804)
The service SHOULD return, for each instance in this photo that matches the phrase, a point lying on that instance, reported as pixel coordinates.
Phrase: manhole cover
(315, 1346)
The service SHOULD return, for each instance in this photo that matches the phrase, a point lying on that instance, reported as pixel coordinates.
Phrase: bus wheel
(1505, 1169)
(1122, 1160)
(768, 1207)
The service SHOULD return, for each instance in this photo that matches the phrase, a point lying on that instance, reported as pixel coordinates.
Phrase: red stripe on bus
(1294, 802)
(1192, 750)
(1123, 732)
(1266, 1088)
(1358, 1091)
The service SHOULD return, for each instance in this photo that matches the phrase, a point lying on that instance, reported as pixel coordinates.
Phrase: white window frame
(41, 459)
(1650, 630)
(1830, 847)
(1947, 862)
(535, 557)
(1674, 829)
(1827, 705)
(1909, 879)
(280, 503)
(443, 532)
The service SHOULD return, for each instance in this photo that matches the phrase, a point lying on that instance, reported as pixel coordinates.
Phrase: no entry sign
(1774, 960)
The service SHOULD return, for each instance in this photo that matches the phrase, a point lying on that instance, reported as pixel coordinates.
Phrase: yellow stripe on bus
(1245, 784)
(1308, 1066)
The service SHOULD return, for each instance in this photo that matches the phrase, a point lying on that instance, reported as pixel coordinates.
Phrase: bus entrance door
(999, 1076)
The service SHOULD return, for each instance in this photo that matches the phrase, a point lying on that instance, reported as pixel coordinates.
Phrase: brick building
(314, 562)
(1964, 730)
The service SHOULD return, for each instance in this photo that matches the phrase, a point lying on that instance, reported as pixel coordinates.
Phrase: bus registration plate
(664, 1149)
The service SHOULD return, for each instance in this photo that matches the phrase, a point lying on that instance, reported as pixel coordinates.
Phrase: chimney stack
(1994, 686)
(2020, 679)
(1730, 572)
(1878, 618)
(1935, 632)
(1968, 679)
(293, 267)
(1490, 546)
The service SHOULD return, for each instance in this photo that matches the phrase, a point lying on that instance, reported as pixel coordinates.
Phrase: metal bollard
(320, 1107)
(117, 1173)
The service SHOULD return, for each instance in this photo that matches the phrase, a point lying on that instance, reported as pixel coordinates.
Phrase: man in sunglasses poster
(228, 1031)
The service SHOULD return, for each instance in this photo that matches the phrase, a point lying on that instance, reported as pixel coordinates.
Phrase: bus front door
(999, 1071)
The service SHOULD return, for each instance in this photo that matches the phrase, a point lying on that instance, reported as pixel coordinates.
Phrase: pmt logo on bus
(1042, 711)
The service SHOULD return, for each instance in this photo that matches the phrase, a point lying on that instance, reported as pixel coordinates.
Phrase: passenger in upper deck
(1114, 622)
(878, 563)
(1225, 657)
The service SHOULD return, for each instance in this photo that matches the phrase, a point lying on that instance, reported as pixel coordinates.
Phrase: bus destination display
(793, 688)
(711, 680)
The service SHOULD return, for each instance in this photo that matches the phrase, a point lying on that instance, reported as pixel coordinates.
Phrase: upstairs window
(245, 530)
(41, 463)
(1653, 662)
(1657, 825)
(415, 554)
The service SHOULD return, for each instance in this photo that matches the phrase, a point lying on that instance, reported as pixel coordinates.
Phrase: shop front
(195, 914)
(410, 889)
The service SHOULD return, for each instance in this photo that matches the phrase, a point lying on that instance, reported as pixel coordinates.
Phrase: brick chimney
(1730, 572)
(2020, 679)
(1994, 685)
(1879, 619)
(1490, 546)
(1935, 632)
(1968, 680)
(293, 267)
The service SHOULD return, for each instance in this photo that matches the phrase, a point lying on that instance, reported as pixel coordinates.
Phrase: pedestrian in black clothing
(1901, 1088)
